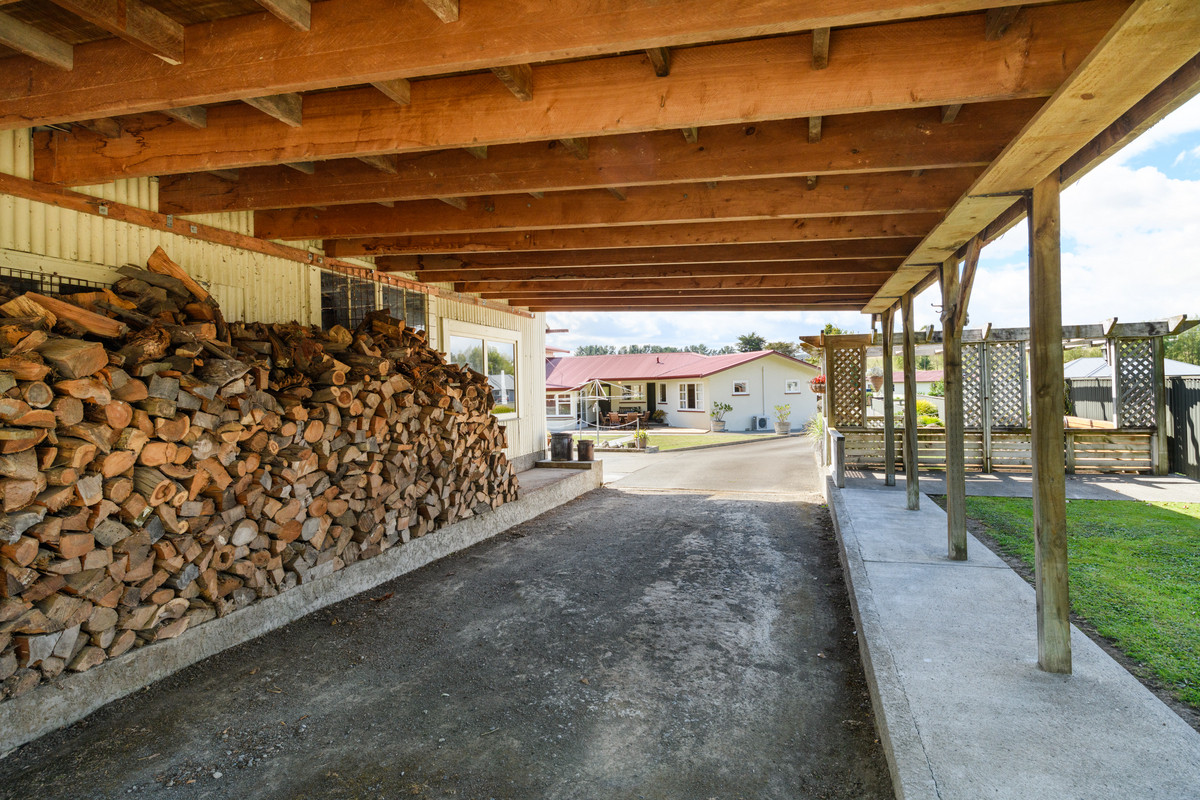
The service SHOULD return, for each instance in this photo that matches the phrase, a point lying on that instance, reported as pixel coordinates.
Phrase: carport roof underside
(602, 154)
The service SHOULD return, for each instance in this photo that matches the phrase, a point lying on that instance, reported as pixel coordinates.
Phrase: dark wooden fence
(1183, 425)
(1091, 398)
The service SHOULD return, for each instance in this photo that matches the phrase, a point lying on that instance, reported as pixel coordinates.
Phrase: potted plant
(718, 415)
(817, 384)
(783, 420)
(875, 375)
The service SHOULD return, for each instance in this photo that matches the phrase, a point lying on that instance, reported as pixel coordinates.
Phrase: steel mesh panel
(1135, 376)
(972, 387)
(1006, 384)
(847, 385)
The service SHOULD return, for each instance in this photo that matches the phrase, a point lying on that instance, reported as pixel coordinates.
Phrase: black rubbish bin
(560, 447)
(586, 448)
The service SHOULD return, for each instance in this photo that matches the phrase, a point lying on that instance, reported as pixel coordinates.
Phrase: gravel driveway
(681, 633)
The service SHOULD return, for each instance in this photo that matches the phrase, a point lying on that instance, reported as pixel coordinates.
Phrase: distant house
(1097, 367)
(926, 378)
(683, 385)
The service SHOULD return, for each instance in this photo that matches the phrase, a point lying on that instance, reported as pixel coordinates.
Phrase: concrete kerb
(55, 705)
(912, 774)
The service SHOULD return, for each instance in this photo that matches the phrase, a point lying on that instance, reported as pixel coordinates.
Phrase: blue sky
(1131, 249)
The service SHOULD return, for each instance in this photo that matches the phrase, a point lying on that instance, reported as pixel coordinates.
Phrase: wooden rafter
(660, 59)
(734, 200)
(875, 271)
(446, 10)
(610, 95)
(135, 22)
(239, 57)
(398, 90)
(192, 116)
(286, 108)
(518, 78)
(34, 43)
(886, 141)
(752, 231)
(296, 14)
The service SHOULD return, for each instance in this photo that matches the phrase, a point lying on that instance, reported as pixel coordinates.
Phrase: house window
(691, 397)
(741, 387)
(558, 405)
(490, 352)
(793, 386)
(633, 393)
(662, 393)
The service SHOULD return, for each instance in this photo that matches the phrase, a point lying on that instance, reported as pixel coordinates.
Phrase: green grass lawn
(1134, 574)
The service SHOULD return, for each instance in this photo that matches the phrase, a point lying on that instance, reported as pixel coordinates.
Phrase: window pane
(467, 351)
(502, 374)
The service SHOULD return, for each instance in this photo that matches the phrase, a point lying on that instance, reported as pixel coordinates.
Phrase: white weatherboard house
(685, 386)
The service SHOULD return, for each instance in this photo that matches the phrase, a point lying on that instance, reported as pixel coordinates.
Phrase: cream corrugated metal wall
(249, 286)
(41, 238)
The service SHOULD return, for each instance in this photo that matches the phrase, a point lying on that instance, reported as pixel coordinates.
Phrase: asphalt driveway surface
(662, 637)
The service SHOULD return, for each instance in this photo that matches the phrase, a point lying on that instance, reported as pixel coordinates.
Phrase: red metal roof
(923, 376)
(571, 372)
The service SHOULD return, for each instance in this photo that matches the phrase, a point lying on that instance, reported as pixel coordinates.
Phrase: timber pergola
(657, 155)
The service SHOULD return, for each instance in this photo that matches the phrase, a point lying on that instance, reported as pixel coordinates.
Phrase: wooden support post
(911, 467)
(1049, 482)
(956, 482)
(830, 421)
(889, 404)
(1161, 451)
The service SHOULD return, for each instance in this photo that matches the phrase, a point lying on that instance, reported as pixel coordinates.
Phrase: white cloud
(1180, 122)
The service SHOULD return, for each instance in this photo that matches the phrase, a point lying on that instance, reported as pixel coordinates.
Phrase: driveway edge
(912, 776)
(55, 705)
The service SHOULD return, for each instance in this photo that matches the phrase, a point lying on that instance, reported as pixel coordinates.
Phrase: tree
(1081, 352)
(787, 348)
(749, 342)
(1185, 347)
(595, 350)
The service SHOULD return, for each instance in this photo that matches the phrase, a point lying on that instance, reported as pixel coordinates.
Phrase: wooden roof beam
(611, 95)
(998, 21)
(782, 230)
(669, 296)
(398, 90)
(364, 41)
(296, 14)
(576, 147)
(446, 10)
(660, 59)
(875, 270)
(303, 167)
(135, 22)
(900, 140)
(478, 153)
(518, 78)
(714, 302)
(287, 108)
(820, 48)
(457, 202)
(814, 130)
(34, 43)
(851, 283)
(192, 116)
(718, 253)
(888, 193)
(383, 163)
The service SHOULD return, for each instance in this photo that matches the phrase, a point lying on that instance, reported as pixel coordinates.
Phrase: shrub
(937, 389)
(926, 409)
(927, 421)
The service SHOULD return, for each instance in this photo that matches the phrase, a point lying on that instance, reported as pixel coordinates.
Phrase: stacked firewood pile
(160, 467)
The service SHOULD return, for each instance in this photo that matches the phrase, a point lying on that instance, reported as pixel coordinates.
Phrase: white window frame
(793, 386)
(557, 399)
(453, 327)
(683, 396)
(744, 390)
(662, 393)
(633, 393)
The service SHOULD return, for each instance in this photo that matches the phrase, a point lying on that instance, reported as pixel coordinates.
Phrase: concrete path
(677, 642)
(952, 654)
(1149, 488)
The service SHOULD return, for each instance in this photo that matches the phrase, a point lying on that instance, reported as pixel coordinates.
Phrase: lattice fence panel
(847, 386)
(972, 387)
(1006, 384)
(1135, 376)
